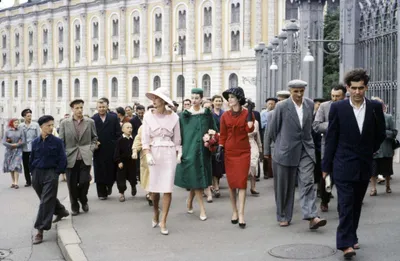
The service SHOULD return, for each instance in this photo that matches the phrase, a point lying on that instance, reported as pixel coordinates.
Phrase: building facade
(54, 51)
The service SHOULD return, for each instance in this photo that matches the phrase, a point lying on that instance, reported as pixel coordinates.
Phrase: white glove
(179, 158)
(134, 154)
(328, 186)
(150, 160)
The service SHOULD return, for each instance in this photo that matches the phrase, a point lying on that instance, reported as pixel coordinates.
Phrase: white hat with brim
(162, 93)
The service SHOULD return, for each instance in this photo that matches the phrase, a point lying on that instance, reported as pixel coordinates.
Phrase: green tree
(331, 61)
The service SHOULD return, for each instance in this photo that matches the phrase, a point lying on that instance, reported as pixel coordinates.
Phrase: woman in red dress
(234, 147)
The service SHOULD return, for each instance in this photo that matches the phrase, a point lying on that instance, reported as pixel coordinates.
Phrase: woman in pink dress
(161, 141)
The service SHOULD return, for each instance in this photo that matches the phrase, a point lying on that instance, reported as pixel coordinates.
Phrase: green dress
(194, 172)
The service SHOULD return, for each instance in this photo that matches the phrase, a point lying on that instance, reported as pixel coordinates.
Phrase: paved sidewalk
(122, 231)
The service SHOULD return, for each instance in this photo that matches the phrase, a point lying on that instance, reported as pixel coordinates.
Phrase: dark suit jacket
(136, 123)
(348, 154)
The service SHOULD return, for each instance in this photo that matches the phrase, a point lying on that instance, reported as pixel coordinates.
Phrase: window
(30, 38)
(206, 85)
(16, 89)
(235, 13)
(233, 80)
(136, 49)
(158, 50)
(114, 87)
(17, 40)
(61, 34)
(77, 54)
(45, 36)
(158, 22)
(95, 89)
(4, 59)
(207, 16)
(30, 57)
(182, 45)
(95, 30)
(60, 55)
(115, 27)
(44, 89)
(77, 88)
(45, 56)
(115, 51)
(156, 82)
(77, 32)
(95, 52)
(3, 89)
(59, 89)
(136, 25)
(207, 43)
(4, 42)
(235, 41)
(180, 86)
(29, 89)
(182, 19)
(16, 58)
(135, 87)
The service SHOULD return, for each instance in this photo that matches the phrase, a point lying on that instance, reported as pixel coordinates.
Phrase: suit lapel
(84, 127)
(306, 112)
(72, 128)
(368, 111)
(352, 118)
(293, 112)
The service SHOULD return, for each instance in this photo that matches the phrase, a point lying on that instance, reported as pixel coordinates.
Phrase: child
(126, 165)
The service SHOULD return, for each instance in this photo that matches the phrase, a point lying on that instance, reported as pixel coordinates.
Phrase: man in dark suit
(108, 131)
(356, 131)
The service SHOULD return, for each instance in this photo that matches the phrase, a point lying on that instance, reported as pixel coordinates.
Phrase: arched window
(95, 88)
(59, 88)
(233, 80)
(29, 89)
(77, 87)
(114, 87)
(180, 86)
(3, 89)
(135, 87)
(206, 84)
(156, 82)
(44, 89)
(16, 89)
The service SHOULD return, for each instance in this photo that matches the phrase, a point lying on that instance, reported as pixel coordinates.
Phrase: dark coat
(108, 133)
(136, 123)
(348, 154)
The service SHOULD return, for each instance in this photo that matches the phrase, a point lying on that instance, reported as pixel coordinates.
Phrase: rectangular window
(45, 56)
(4, 59)
(77, 32)
(158, 51)
(95, 30)
(207, 16)
(182, 45)
(60, 35)
(235, 41)
(77, 54)
(115, 28)
(4, 42)
(207, 43)
(115, 51)
(235, 13)
(30, 58)
(136, 49)
(136, 25)
(95, 52)
(182, 19)
(16, 59)
(17, 40)
(30, 38)
(60, 55)
(45, 36)
(158, 23)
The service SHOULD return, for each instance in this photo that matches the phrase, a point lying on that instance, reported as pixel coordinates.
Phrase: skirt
(162, 174)
(382, 166)
(237, 165)
(12, 160)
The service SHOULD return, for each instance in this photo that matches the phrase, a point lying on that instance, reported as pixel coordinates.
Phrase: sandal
(373, 193)
(12, 186)
(388, 190)
(217, 194)
(148, 197)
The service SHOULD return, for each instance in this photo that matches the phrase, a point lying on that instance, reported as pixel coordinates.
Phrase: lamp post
(178, 49)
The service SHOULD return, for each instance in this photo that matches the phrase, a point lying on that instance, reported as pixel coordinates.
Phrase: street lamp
(178, 49)
(330, 47)
(273, 66)
(308, 57)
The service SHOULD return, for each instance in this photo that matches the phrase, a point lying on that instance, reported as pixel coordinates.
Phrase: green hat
(197, 91)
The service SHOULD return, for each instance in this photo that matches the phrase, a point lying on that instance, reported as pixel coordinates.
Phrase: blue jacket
(348, 154)
(48, 154)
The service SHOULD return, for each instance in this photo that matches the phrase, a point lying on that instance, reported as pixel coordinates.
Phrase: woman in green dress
(194, 171)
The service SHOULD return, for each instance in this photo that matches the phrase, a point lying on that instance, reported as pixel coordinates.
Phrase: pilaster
(66, 41)
(50, 43)
(143, 34)
(191, 39)
(35, 45)
(102, 32)
(217, 53)
(247, 24)
(258, 35)
(21, 46)
(122, 56)
(83, 39)
(166, 32)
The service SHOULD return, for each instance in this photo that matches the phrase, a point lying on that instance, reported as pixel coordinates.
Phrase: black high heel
(253, 192)
(242, 225)
(234, 221)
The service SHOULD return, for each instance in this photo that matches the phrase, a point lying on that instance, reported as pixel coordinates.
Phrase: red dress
(234, 137)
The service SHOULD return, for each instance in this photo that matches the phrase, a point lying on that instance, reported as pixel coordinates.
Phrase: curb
(67, 238)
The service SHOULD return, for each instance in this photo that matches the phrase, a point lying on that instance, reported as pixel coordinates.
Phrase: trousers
(27, 172)
(45, 184)
(78, 181)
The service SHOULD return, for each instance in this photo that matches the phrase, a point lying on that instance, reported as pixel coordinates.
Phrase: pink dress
(162, 136)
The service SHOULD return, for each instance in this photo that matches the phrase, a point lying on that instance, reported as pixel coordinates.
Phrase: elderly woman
(383, 159)
(13, 140)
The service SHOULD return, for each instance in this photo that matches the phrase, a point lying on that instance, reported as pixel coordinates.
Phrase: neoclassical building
(56, 50)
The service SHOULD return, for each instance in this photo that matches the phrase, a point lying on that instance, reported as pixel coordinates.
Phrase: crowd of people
(300, 142)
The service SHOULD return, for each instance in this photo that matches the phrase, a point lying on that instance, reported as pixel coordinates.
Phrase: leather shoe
(109, 191)
(27, 185)
(74, 212)
(85, 207)
(38, 238)
(348, 253)
(60, 216)
(134, 191)
(317, 222)
(324, 207)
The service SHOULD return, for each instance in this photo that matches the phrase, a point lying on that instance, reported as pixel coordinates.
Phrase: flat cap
(45, 118)
(297, 84)
(78, 101)
(283, 93)
(272, 99)
(26, 111)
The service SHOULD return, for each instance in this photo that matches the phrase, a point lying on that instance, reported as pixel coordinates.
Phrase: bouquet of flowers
(211, 139)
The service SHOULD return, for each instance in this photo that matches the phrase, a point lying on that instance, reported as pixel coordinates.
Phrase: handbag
(395, 144)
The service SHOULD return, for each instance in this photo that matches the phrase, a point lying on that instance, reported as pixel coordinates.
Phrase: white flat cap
(283, 93)
(297, 84)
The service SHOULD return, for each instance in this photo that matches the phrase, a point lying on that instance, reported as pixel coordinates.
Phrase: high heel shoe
(154, 223)
(203, 218)
(388, 190)
(234, 221)
(242, 225)
(189, 210)
(254, 192)
(164, 231)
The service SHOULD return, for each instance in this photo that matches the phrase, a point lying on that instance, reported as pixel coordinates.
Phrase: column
(35, 96)
(122, 57)
(66, 41)
(50, 94)
(8, 64)
(191, 32)
(271, 19)
(21, 87)
(258, 35)
(143, 82)
(8, 109)
(123, 98)
(50, 43)
(102, 83)
(65, 93)
(143, 35)
(247, 24)
(349, 17)
(83, 40)
(217, 54)
(35, 45)
(102, 33)
(21, 46)
(259, 90)
(166, 20)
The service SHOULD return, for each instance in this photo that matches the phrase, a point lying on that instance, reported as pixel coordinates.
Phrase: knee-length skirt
(162, 174)
(237, 165)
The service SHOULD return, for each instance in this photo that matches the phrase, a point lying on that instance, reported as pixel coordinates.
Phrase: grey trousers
(284, 184)
(45, 184)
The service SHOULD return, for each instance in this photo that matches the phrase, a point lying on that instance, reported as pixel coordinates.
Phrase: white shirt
(359, 113)
(299, 110)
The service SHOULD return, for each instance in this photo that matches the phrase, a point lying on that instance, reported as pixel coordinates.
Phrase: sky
(9, 3)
